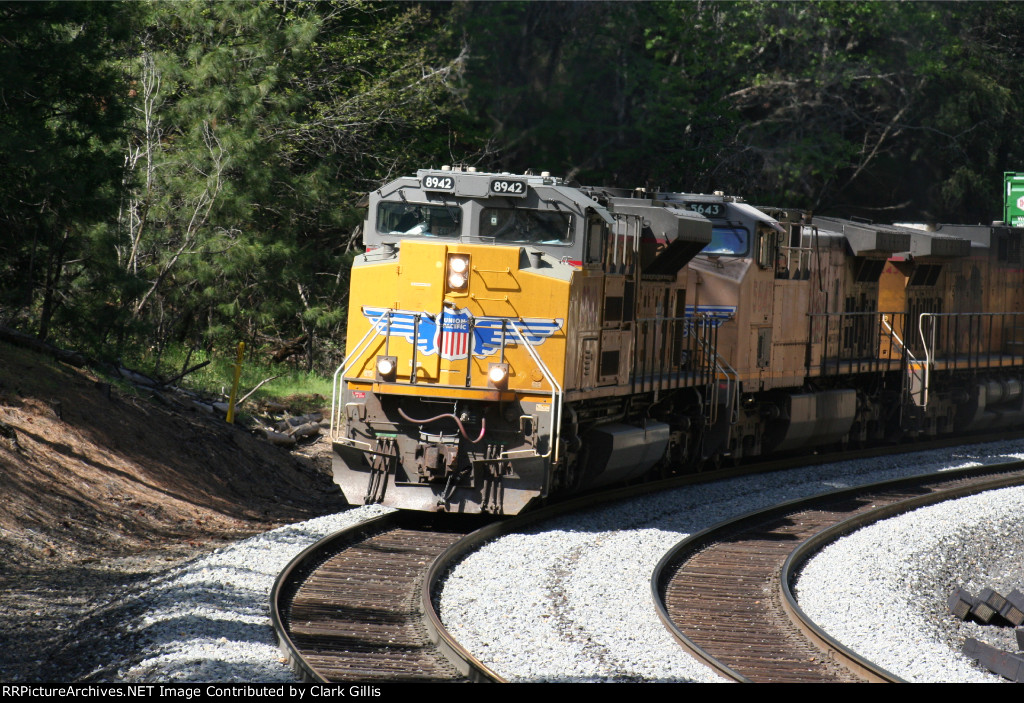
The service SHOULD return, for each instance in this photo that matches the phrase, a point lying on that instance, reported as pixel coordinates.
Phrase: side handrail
(343, 367)
(906, 350)
(722, 368)
(928, 356)
(556, 392)
(977, 322)
(912, 364)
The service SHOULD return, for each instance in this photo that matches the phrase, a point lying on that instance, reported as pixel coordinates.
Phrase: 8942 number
(438, 183)
(508, 187)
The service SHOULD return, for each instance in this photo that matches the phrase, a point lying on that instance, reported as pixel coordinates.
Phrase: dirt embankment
(101, 488)
(88, 472)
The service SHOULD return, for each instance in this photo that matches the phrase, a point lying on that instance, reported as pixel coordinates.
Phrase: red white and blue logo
(456, 332)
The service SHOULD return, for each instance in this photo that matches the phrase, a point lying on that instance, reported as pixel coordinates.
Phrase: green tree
(887, 110)
(965, 133)
(259, 126)
(60, 169)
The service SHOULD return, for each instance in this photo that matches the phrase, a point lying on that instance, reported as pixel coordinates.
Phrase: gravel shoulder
(882, 590)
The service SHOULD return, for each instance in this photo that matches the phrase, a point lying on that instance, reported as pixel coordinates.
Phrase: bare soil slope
(96, 484)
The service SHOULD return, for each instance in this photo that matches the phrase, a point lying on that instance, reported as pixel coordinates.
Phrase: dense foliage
(188, 174)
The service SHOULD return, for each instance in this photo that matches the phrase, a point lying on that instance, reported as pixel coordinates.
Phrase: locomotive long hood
(868, 239)
(671, 236)
(873, 240)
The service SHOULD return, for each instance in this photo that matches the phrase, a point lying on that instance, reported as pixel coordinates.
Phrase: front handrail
(556, 392)
(339, 374)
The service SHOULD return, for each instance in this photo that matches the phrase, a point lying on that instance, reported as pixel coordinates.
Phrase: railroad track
(725, 592)
(358, 606)
(349, 607)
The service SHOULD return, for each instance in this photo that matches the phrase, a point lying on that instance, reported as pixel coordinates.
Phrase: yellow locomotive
(513, 336)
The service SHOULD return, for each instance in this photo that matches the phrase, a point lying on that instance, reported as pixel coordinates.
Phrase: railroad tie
(1009, 666)
(961, 602)
(1013, 611)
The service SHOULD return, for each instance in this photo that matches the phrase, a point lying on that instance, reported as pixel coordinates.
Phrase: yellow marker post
(234, 384)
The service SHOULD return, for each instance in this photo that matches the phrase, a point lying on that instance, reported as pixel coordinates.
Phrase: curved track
(348, 608)
(725, 592)
(359, 605)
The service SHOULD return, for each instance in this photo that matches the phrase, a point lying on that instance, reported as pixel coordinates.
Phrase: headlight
(386, 367)
(497, 375)
(458, 272)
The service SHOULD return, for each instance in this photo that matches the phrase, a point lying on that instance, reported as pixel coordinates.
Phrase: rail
(375, 631)
(783, 537)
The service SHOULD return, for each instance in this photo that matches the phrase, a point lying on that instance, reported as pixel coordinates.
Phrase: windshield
(529, 226)
(728, 241)
(421, 220)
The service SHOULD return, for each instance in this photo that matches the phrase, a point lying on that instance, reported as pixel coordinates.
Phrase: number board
(445, 183)
(507, 187)
(707, 209)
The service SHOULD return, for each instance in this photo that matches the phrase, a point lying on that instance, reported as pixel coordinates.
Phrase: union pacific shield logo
(454, 334)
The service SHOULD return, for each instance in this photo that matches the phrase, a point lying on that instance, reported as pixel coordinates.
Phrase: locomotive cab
(449, 397)
(733, 280)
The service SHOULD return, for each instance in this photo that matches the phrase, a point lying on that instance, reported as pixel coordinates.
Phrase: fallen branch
(186, 373)
(306, 430)
(246, 396)
(281, 440)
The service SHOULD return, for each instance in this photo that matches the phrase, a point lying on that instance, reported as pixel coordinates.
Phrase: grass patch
(297, 389)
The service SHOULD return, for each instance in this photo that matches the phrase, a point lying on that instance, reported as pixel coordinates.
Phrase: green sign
(1013, 194)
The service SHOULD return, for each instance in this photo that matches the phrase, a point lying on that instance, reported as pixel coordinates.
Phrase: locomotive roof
(541, 191)
(733, 209)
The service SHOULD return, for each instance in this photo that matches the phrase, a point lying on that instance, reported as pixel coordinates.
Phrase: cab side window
(597, 235)
(768, 245)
